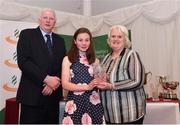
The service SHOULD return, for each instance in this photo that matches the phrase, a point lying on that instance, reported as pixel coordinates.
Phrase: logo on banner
(12, 62)
(12, 39)
(12, 85)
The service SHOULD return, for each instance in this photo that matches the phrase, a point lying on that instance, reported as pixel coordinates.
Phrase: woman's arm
(133, 74)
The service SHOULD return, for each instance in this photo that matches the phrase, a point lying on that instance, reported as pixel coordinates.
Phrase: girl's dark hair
(73, 53)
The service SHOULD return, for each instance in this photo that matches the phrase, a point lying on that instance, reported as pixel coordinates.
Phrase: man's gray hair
(50, 10)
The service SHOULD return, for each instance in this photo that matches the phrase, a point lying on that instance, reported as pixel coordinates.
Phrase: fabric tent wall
(155, 28)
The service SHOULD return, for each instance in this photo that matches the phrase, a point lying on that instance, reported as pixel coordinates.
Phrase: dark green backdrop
(100, 45)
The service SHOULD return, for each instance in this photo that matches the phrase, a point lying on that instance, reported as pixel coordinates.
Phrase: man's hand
(52, 81)
(47, 90)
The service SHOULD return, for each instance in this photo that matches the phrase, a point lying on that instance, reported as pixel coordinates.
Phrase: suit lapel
(54, 40)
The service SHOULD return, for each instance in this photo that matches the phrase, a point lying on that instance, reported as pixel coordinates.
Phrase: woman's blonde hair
(125, 32)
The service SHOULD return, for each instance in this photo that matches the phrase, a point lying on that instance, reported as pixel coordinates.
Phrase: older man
(39, 55)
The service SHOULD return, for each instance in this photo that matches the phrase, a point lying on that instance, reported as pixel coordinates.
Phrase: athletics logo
(12, 85)
(11, 39)
(12, 62)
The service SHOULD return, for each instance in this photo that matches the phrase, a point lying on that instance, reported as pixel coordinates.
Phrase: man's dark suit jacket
(35, 63)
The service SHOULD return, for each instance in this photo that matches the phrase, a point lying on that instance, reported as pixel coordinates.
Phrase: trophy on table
(169, 88)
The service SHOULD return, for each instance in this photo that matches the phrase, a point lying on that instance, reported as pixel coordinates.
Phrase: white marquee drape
(155, 28)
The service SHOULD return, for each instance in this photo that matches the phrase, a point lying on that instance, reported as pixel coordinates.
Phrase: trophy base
(168, 96)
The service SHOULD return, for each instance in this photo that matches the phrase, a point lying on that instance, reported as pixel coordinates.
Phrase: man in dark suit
(40, 90)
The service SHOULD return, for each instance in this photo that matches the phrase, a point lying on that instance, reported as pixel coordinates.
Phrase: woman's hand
(92, 84)
(103, 85)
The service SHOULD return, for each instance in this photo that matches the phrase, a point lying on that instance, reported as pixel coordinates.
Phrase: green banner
(100, 45)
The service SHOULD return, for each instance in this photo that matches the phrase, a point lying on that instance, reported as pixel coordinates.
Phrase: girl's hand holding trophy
(100, 76)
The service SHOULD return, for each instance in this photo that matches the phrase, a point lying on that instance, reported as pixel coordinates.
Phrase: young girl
(83, 104)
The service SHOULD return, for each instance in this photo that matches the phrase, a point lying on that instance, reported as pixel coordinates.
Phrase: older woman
(122, 94)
